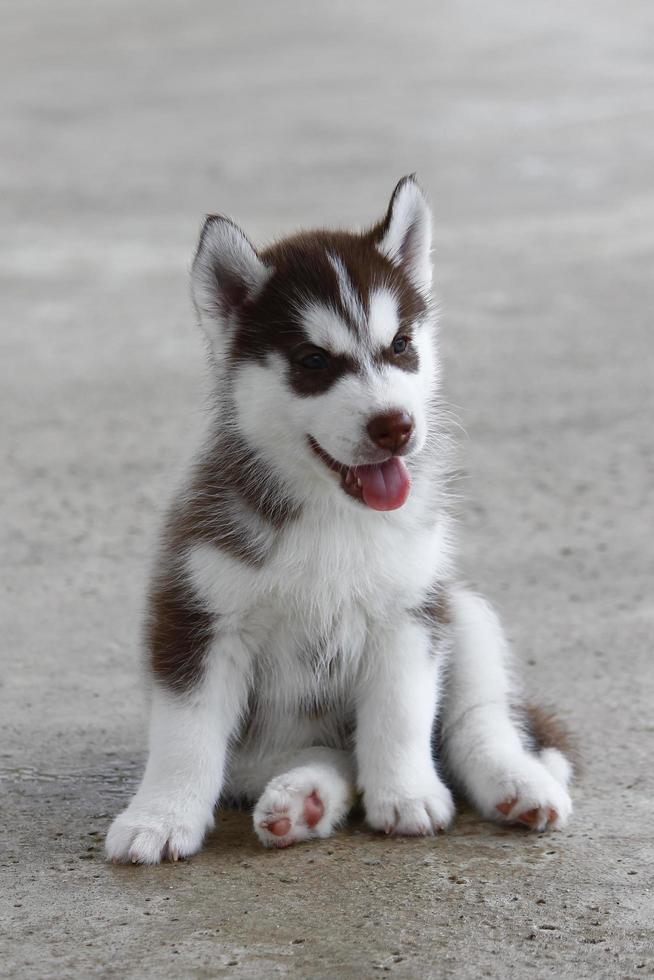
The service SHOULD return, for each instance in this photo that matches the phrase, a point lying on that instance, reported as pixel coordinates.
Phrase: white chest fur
(326, 568)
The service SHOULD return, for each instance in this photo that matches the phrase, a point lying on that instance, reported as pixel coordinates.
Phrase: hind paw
(290, 811)
(536, 818)
(532, 798)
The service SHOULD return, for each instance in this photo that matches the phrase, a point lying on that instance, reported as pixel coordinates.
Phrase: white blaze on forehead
(350, 298)
(383, 319)
(325, 328)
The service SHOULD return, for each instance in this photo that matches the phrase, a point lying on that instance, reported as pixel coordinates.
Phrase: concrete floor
(531, 126)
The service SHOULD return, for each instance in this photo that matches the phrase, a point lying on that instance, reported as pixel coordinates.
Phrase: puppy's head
(323, 346)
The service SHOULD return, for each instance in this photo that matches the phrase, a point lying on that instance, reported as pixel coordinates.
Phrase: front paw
(147, 833)
(416, 812)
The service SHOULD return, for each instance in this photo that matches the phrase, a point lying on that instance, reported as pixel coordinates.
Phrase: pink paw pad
(529, 818)
(281, 825)
(313, 809)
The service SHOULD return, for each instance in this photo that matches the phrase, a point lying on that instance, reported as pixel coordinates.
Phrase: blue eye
(315, 362)
(400, 344)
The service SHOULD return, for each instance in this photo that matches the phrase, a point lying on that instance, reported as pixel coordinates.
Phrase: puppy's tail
(555, 745)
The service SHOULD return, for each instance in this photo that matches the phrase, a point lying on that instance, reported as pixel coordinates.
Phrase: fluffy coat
(306, 634)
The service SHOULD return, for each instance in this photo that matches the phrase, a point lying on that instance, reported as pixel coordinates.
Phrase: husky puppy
(307, 639)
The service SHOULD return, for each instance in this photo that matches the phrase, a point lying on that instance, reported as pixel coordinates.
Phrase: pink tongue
(384, 486)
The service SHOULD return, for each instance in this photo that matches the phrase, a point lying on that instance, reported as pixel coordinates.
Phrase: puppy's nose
(390, 431)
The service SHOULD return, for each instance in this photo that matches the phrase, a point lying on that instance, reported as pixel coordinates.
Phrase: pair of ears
(228, 271)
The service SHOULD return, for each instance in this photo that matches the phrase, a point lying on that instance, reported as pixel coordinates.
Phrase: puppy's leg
(397, 703)
(484, 746)
(309, 798)
(189, 734)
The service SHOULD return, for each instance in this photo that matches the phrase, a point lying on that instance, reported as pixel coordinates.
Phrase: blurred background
(531, 128)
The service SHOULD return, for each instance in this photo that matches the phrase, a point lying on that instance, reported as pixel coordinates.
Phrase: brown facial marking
(408, 360)
(303, 273)
(316, 381)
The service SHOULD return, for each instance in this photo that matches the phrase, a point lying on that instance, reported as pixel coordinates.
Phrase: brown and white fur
(306, 635)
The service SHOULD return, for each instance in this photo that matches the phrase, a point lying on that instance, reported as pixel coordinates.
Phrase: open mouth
(380, 486)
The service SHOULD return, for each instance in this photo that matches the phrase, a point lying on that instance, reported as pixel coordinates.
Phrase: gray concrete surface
(531, 126)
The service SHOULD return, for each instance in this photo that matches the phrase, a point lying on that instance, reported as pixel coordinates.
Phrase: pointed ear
(404, 236)
(227, 272)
